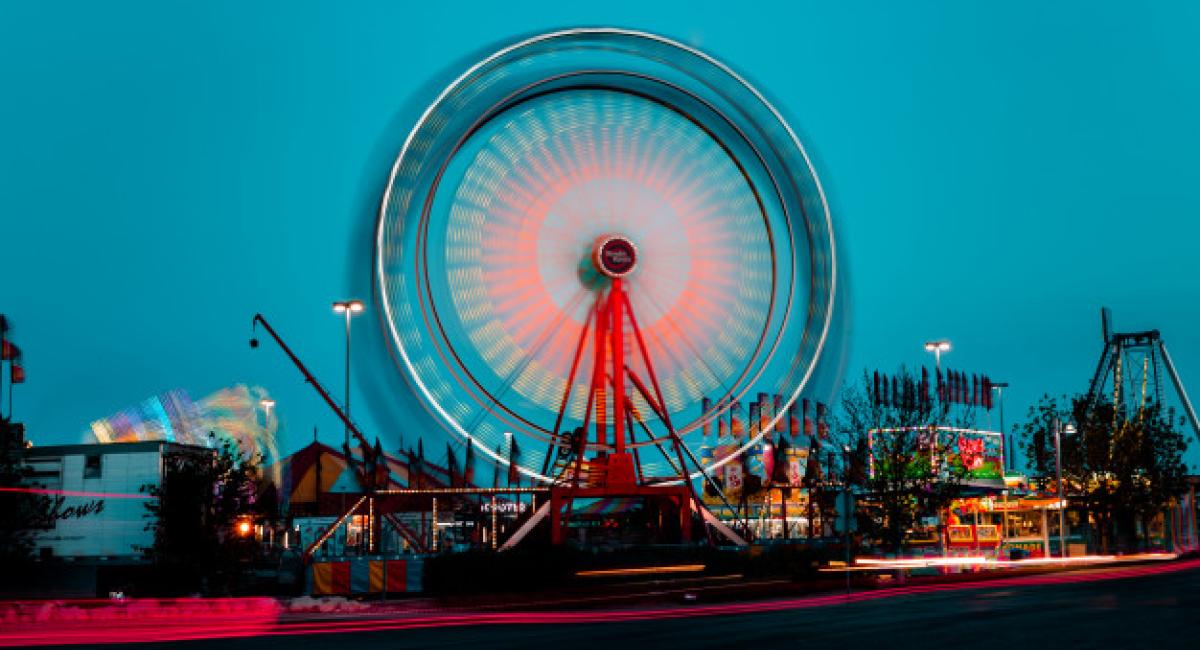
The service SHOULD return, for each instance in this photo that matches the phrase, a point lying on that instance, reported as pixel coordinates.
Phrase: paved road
(1160, 610)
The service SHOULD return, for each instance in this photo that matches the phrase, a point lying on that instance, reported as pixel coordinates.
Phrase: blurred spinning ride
(586, 234)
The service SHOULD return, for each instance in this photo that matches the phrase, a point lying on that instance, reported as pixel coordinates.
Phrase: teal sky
(997, 171)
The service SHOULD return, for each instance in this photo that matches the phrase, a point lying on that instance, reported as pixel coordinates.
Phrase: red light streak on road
(184, 620)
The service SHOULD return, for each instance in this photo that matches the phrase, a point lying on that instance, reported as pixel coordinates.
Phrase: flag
(737, 428)
(987, 392)
(755, 418)
(895, 393)
(469, 465)
(16, 373)
(451, 466)
(381, 468)
(780, 425)
(924, 388)
(794, 419)
(416, 468)
(808, 423)
(764, 412)
(875, 392)
(822, 425)
(8, 351)
(514, 475)
(496, 465)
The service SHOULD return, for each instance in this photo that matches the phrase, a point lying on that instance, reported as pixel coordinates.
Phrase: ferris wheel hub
(614, 255)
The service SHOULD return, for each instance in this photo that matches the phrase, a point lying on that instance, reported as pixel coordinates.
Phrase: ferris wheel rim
(829, 243)
(467, 379)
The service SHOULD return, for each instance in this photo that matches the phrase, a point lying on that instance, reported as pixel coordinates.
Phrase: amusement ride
(592, 246)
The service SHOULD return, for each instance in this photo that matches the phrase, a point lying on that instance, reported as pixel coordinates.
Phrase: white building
(100, 504)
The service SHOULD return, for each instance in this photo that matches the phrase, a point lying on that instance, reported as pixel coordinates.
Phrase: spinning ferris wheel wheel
(590, 236)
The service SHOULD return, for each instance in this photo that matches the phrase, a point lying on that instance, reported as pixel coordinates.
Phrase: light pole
(937, 348)
(846, 522)
(348, 308)
(1062, 517)
(999, 387)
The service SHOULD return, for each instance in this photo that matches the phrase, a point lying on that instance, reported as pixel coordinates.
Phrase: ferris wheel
(606, 229)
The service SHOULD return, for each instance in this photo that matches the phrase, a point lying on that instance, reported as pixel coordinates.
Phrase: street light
(348, 308)
(937, 348)
(1062, 518)
(999, 387)
(846, 524)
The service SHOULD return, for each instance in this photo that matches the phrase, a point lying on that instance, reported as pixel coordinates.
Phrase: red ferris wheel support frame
(617, 473)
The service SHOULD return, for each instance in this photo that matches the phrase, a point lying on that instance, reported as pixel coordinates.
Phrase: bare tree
(906, 468)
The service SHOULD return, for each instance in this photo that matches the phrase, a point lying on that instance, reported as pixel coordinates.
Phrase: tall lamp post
(849, 508)
(1062, 518)
(1005, 439)
(937, 348)
(348, 308)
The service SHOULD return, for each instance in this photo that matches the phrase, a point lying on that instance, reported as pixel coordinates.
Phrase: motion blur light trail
(27, 623)
(871, 564)
(92, 622)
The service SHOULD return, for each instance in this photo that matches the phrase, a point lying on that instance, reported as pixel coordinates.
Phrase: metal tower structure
(1131, 371)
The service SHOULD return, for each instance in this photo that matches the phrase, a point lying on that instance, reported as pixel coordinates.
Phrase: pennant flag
(777, 412)
(941, 386)
(8, 351)
(755, 418)
(451, 466)
(469, 465)
(514, 475)
(16, 373)
(808, 423)
(987, 392)
(895, 393)
(500, 454)
(722, 426)
(924, 388)
(764, 411)
(875, 393)
(822, 425)
(416, 471)
(737, 428)
(794, 419)
(381, 468)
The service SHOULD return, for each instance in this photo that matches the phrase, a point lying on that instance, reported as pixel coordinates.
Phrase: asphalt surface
(1158, 610)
